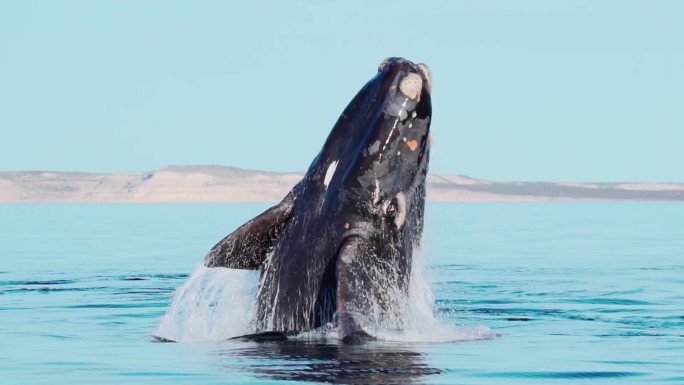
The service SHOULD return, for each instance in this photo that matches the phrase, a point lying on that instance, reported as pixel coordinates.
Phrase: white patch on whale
(376, 192)
(372, 149)
(329, 173)
(400, 216)
(411, 85)
(346, 259)
(428, 75)
(402, 115)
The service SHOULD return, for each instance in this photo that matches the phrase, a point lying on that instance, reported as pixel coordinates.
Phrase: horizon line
(304, 172)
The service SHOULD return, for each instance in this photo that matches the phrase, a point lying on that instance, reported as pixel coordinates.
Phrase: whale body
(337, 250)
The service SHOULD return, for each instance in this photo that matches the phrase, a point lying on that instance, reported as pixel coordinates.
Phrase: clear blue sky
(523, 90)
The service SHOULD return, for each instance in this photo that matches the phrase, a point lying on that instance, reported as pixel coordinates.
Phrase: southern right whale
(338, 248)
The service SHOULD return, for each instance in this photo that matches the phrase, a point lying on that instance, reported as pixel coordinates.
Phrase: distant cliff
(229, 184)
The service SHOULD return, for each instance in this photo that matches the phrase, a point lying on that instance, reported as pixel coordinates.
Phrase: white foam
(419, 319)
(214, 304)
(413, 320)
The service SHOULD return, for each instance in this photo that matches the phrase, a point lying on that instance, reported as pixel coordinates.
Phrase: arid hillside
(229, 184)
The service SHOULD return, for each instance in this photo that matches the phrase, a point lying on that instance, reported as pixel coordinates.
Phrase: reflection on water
(337, 363)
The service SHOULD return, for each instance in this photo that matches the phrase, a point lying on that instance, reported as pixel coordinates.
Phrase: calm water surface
(580, 293)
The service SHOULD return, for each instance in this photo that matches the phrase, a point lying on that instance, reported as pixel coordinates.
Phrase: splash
(413, 318)
(420, 320)
(215, 304)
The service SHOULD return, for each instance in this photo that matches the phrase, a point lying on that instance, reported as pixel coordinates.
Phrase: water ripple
(563, 375)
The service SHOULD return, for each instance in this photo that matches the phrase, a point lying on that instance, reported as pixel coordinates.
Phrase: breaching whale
(338, 248)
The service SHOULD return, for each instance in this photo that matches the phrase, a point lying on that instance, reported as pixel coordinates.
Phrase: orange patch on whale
(412, 144)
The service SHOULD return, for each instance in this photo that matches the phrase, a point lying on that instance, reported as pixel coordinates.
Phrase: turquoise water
(579, 293)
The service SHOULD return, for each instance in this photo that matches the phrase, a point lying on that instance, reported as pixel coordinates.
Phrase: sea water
(573, 293)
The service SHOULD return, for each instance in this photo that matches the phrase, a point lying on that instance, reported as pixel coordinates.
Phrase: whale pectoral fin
(246, 247)
(354, 287)
(372, 288)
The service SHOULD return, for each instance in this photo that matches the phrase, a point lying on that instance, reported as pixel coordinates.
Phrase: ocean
(507, 293)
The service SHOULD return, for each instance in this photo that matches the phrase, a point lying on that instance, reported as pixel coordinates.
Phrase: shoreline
(222, 184)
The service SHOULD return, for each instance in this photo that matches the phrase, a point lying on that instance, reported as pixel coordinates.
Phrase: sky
(522, 90)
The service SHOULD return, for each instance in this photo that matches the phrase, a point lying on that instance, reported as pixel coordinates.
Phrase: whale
(337, 250)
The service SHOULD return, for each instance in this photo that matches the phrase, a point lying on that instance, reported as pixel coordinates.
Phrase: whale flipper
(247, 247)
